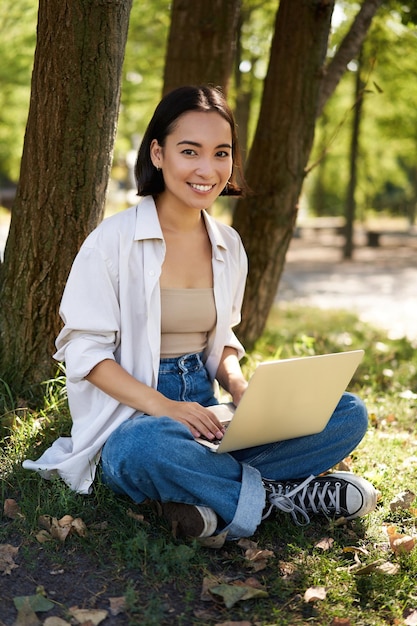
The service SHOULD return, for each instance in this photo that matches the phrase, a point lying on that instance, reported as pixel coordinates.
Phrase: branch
(348, 49)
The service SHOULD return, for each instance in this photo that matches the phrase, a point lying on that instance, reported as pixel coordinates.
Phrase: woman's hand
(199, 419)
(111, 378)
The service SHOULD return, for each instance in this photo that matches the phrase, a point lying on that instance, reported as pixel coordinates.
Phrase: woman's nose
(205, 167)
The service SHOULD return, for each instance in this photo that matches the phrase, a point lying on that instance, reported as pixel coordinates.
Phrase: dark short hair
(204, 98)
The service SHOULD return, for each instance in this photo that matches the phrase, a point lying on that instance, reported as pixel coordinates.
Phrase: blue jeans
(158, 458)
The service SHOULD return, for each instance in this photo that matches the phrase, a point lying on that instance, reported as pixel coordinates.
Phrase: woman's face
(196, 160)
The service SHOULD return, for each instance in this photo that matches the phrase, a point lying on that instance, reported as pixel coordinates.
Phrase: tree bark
(279, 153)
(65, 167)
(201, 43)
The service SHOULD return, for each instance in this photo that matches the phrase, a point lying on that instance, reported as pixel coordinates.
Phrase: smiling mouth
(201, 187)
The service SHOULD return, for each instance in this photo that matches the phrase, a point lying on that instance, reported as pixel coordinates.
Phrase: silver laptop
(286, 399)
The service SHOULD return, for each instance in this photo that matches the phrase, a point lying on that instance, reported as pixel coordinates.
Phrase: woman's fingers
(199, 419)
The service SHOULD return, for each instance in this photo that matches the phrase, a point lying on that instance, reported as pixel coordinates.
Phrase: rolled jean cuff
(250, 505)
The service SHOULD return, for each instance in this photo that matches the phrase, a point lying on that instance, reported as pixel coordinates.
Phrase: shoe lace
(318, 497)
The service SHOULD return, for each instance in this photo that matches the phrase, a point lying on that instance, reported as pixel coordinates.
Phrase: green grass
(161, 577)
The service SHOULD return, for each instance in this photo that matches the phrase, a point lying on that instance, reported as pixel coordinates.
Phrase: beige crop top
(187, 317)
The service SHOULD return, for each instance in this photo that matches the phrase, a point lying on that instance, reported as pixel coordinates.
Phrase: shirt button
(152, 273)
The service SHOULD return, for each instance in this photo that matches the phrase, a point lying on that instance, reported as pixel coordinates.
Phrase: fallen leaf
(340, 621)
(403, 545)
(117, 605)
(43, 536)
(60, 529)
(384, 567)
(388, 568)
(315, 593)
(356, 549)
(247, 544)
(55, 621)
(11, 509)
(286, 570)
(7, 554)
(37, 603)
(215, 541)
(257, 557)
(95, 616)
(26, 617)
(399, 543)
(79, 527)
(208, 583)
(403, 500)
(232, 594)
(136, 516)
(326, 543)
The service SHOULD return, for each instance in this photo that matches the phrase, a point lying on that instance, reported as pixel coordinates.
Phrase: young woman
(148, 313)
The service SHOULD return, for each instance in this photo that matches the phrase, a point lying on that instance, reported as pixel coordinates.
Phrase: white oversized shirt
(111, 308)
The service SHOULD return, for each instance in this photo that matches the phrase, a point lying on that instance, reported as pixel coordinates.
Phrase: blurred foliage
(387, 179)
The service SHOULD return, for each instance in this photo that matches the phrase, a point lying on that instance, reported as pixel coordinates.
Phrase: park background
(324, 94)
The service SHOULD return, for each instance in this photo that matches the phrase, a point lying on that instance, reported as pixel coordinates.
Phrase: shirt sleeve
(91, 313)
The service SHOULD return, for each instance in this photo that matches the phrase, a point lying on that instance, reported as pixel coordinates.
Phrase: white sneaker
(191, 520)
(340, 494)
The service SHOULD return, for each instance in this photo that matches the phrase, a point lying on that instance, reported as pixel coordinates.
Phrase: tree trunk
(350, 210)
(201, 43)
(64, 172)
(279, 153)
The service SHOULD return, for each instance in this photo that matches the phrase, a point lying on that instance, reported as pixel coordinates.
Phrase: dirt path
(380, 284)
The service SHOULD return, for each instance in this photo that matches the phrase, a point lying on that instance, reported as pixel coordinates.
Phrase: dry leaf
(215, 541)
(43, 536)
(403, 500)
(95, 616)
(381, 566)
(7, 554)
(136, 516)
(11, 509)
(340, 621)
(79, 527)
(400, 544)
(247, 544)
(26, 617)
(403, 545)
(55, 621)
(315, 593)
(258, 558)
(388, 568)
(355, 550)
(117, 605)
(208, 583)
(326, 543)
(60, 529)
(232, 594)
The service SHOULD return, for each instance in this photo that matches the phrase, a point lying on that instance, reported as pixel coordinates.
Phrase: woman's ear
(156, 153)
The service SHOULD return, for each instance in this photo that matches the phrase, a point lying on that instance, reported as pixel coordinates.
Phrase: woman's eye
(223, 154)
(189, 152)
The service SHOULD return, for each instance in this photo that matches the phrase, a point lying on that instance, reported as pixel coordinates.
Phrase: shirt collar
(147, 222)
(148, 226)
